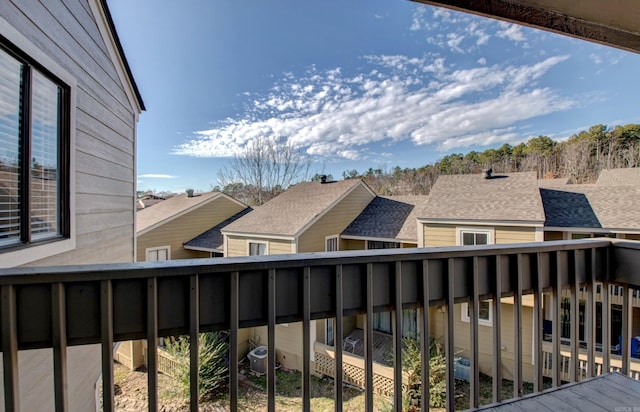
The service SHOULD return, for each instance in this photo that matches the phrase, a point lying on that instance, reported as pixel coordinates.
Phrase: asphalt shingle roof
(166, 209)
(212, 238)
(619, 177)
(290, 212)
(392, 217)
(506, 197)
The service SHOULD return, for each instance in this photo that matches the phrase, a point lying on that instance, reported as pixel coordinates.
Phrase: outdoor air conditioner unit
(258, 360)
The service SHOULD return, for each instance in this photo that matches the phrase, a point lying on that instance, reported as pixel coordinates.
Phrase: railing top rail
(45, 274)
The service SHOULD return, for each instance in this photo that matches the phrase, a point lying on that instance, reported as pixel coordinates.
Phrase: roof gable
(509, 197)
(173, 208)
(296, 209)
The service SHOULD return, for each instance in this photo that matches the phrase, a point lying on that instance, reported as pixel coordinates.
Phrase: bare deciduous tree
(265, 168)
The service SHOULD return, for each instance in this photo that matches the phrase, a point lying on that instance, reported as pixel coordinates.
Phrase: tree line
(580, 158)
(266, 167)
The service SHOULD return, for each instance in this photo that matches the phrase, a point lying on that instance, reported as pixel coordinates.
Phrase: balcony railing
(57, 307)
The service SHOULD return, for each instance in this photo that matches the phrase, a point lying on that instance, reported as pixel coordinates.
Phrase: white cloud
(596, 59)
(454, 40)
(511, 32)
(156, 176)
(331, 114)
(482, 61)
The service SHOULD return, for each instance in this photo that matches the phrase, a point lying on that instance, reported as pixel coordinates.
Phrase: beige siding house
(165, 228)
(308, 217)
(513, 208)
(71, 59)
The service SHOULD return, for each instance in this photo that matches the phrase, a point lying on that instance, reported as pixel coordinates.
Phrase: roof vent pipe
(323, 179)
(486, 173)
(189, 192)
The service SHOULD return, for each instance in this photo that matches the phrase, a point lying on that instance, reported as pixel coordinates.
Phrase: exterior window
(256, 249)
(484, 313)
(158, 253)
(331, 243)
(329, 332)
(34, 168)
(475, 238)
(376, 244)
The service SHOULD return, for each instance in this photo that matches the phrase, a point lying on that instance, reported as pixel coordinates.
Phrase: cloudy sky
(353, 84)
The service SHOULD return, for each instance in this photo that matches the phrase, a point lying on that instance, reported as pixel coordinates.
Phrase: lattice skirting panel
(353, 375)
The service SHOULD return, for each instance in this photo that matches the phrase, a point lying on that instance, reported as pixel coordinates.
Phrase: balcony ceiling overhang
(614, 23)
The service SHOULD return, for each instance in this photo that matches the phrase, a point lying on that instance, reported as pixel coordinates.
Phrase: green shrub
(412, 366)
(213, 372)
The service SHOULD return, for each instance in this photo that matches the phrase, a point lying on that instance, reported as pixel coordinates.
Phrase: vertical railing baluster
(575, 323)
(497, 333)
(538, 332)
(557, 297)
(306, 339)
(234, 325)
(106, 332)
(449, 336)
(368, 342)
(474, 306)
(271, 342)
(606, 328)
(59, 335)
(425, 338)
(397, 340)
(627, 317)
(337, 341)
(152, 343)
(517, 329)
(194, 343)
(10, 349)
(590, 313)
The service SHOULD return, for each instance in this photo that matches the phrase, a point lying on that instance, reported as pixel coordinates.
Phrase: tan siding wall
(439, 235)
(632, 237)
(237, 245)
(552, 236)
(352, 244)
(335, 221)
(515, 234)
(485, 339)
(445, 235)
(104, 127)
(288, 343)
(186, 227)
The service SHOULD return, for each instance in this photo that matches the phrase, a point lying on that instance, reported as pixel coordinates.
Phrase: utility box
(258, 360)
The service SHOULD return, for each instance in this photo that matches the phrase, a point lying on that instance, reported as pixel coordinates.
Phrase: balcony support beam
(368, 341)
(152, 343)
(106, 331)
(474, 306)
(449, 336)
(627, 314)
(397, 339)
(575, 321)
(538, 330)
(590, 313)
(10, 349)
(234, 303)
(194, 343)
(337, 341)
(306, 339)
(424, 337)
(557, 302)
(497, 334)
(517, 329)
(606, 328)
(271, 341)
(59, 335)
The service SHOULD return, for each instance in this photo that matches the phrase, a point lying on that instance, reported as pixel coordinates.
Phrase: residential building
(67, 170)
(164, 230)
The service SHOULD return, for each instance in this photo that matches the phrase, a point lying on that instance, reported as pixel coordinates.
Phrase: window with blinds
(32, 133)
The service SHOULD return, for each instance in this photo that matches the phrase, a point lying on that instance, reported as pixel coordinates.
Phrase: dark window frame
(63, 185)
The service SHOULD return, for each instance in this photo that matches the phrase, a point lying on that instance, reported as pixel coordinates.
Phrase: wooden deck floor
(382, 346)
(610, 392)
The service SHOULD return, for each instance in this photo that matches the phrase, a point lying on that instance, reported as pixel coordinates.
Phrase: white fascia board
(518, 223)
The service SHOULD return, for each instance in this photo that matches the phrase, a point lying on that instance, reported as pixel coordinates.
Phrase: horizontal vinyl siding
(178, 231)
(352, 244)
(288, 343)
(439, 235)
(104, 128)
(335, 220)
(238, 245)
(515, 234)
(462, 339)
(552, 236)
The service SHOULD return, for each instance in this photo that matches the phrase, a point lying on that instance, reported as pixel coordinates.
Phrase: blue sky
(353, 84)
